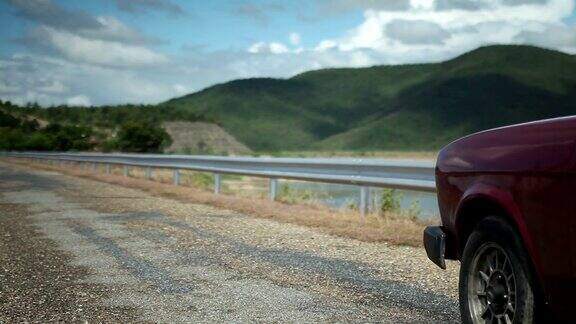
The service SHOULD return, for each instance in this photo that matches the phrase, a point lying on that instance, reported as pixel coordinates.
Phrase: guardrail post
(217, 183)
(108, 168)
(364, 205)
(126, 171)
(176, 177)
(94, 165)
(148, 173)
(273, 188)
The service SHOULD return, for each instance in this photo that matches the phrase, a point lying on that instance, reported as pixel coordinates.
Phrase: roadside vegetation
(106, 117)
(139, 138)
(22, 130)
(389, 204)
(398, 154)
(16, 134)
(291, 196)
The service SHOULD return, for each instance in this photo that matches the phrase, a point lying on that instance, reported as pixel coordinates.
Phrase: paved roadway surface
(73, 249)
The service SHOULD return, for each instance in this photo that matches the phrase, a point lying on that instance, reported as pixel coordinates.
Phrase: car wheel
(495, 284)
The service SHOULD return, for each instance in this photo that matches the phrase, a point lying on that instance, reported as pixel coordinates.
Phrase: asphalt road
(73, 249)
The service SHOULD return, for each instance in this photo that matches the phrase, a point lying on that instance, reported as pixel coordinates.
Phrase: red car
(507, 199)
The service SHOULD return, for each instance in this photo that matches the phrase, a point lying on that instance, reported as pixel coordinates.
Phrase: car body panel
(529, 171)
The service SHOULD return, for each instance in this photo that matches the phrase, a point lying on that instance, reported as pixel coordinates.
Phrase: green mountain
(392, 107)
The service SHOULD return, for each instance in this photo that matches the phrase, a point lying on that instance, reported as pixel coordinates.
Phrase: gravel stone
(80, 250)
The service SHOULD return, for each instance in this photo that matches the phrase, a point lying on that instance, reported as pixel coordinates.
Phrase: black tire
(496, 283)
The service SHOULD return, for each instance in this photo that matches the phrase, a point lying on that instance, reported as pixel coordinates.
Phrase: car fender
(503, 199)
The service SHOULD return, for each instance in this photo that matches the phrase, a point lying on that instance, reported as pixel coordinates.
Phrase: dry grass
(393, 229)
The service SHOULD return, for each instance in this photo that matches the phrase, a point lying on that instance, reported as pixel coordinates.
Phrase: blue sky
(213, 25)
(132, 51)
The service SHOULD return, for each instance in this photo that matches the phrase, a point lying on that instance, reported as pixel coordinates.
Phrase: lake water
(341, 196)
(337, 195)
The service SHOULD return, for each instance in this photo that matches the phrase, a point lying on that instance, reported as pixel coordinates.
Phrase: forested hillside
(393, 107)
(407, 107)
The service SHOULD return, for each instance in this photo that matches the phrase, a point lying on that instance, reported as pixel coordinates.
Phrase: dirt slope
(201, 137)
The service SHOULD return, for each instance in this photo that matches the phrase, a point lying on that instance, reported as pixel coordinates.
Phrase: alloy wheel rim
(492, 286)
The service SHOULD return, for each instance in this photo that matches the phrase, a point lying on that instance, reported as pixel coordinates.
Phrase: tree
(142, 138)
(37, 141)
(69, 137)
(7, 120)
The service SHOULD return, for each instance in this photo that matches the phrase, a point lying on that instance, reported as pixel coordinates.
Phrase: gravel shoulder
(126, 255)
(38, 282)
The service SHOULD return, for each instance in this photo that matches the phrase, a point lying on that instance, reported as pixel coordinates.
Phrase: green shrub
(201, 180)
(414, 210)
(292, 196)
(68, 137)
(7, 120)
(390, 201)
(26, 136)
(142, 138)
(38, 142)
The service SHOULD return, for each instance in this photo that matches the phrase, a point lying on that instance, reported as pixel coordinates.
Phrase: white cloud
(47, 13)
(29, 76)
(555, 36)
(142, 6)
(83, 59)
(268, 48)
(180, 89)
(424, 4)
(416, 32)
(54, 87)
(111, 29)
(79, 101)
(482, 4)
(423, 31)
(326, 45)
(7, 88)
(339, 6)
(294, 39)
(110, 63)
(95, 51)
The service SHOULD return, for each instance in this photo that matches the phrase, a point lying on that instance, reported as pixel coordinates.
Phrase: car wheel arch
(488, 201)
(470, 214)
(480, 201)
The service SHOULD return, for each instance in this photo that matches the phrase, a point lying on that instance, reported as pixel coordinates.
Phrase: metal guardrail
(366, 173)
